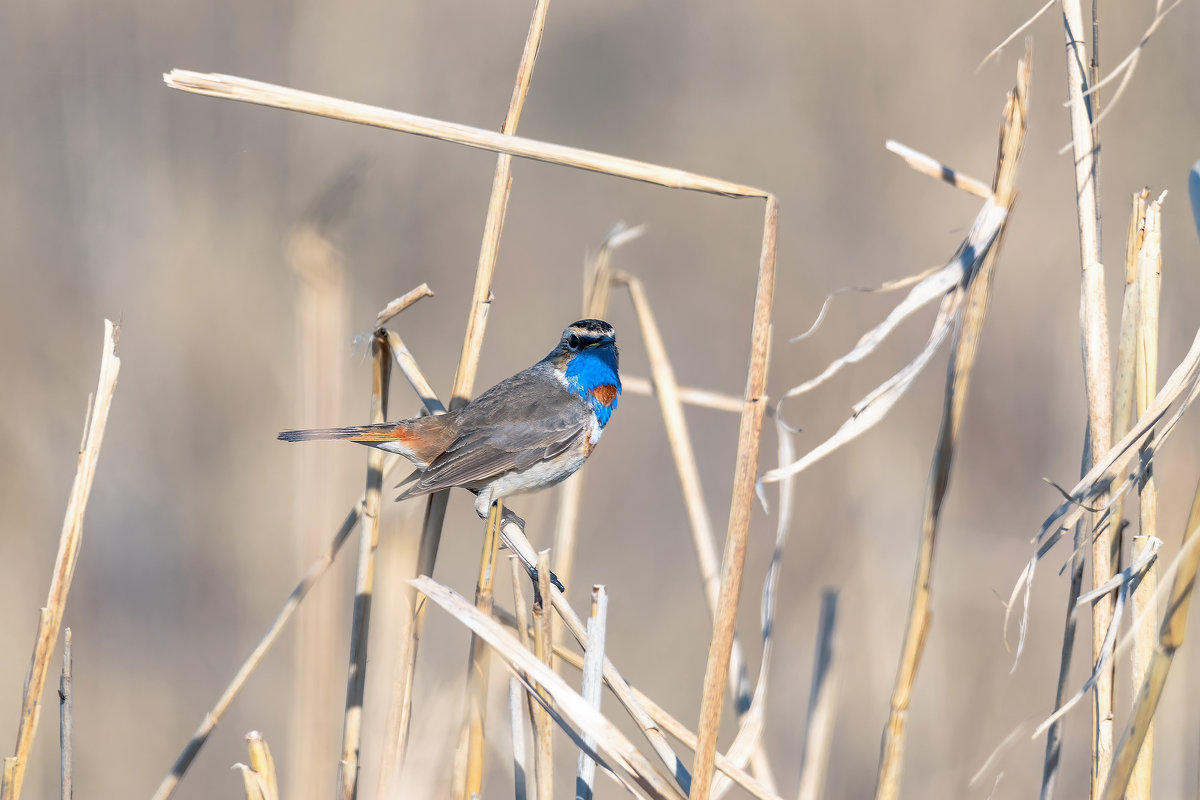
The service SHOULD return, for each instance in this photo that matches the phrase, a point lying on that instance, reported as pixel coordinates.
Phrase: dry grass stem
(689, 396)
(1093, 319)
(1145, 609)
(977, 290)
(70, 538)
(1009, 39)
(593, 684)
(569, 708)
(400, 303)
(733, 565)
(936, 169)
(364, 585)
(543, 641)
(408, 367)
(470, 781)
(247, 91)
(66, 723)
(886, 286)
(818, 728)
(1170, 638)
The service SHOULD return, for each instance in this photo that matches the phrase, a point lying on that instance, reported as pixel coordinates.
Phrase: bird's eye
(573, 342)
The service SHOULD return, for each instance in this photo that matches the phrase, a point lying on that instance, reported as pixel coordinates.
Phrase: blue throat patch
(590, 369)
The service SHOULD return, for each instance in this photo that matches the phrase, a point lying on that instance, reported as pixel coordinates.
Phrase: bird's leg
(509, 516)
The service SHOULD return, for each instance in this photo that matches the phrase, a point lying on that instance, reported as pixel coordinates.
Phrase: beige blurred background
(122, 198)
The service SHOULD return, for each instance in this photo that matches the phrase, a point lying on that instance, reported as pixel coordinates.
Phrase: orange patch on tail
(389, 433)
(605, 393)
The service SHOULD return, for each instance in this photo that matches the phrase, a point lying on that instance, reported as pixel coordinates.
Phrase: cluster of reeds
(532, 640)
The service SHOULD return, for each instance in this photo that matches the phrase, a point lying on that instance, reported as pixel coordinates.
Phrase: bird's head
(587, 357)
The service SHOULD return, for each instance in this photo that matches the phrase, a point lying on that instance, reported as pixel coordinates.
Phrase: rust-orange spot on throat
(605, 393)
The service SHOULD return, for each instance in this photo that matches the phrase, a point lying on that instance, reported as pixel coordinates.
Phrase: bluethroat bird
(527, 432)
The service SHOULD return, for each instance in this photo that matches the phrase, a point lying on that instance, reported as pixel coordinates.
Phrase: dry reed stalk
(70, 539)
(470, 782)
(247, 91)
(516, 712)
(958, 373)
(1093, 319)
(259, 777)
(703, 535)
(568, 708)
(750, 429)
(364, 584)
(660, 717)
(66, 723)
(462, 388)
(543, 642)
(402, 302)
(818, 728)
(1170, 637)
(1145, 608)
(597, 286)
(689, 396)
(520, 621)
(593, 684)
(321, 333)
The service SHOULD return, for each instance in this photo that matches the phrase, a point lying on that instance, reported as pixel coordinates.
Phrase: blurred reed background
(247, 249)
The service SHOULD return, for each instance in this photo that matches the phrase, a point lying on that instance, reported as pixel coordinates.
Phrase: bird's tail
(385, 431)
(420, 440)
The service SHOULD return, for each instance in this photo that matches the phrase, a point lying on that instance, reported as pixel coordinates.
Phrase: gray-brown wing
(525, 419)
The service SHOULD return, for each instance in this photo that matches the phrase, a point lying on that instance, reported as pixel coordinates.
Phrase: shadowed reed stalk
(66, 723)
(1149, 277)
(364, 584)
(316, 569)
(962, 358)
(818, 727)
(258, 777)
(70, 538)
(1093, 319)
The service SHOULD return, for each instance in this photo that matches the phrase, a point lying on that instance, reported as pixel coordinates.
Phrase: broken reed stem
(520, 622)
(231, 87)
(66, 723)
(1093, 318)
(749, 432)
(544, 649)
(364, 585)
(593, 684)
(703, 535)
(1170, 637)
(263, 765)
(468, 363)
(964, 345)
(316, 569)
(70, 539)
(1145, 609)
(400, 303)
(516, 712)
(471, 780)
(822, 697)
